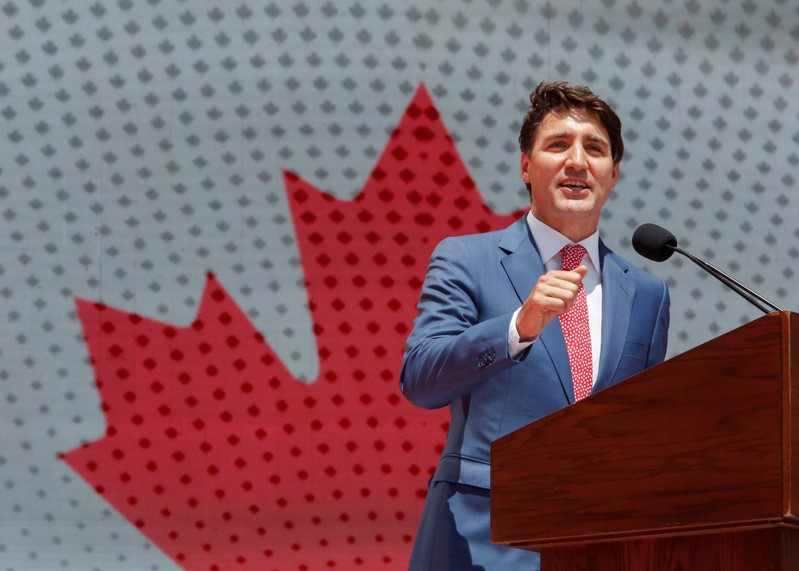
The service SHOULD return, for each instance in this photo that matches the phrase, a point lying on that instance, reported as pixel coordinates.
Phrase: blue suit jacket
(457, 353)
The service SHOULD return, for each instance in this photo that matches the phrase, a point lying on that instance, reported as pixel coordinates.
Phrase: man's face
(570, 171)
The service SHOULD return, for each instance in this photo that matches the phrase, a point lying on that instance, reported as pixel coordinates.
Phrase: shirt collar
(550, 242)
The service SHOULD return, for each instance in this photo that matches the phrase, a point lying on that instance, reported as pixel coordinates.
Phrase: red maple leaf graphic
(223, 459)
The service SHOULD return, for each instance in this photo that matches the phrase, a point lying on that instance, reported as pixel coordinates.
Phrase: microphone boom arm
(751, 296)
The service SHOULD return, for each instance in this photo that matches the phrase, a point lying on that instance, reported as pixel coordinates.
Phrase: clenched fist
(552, 295)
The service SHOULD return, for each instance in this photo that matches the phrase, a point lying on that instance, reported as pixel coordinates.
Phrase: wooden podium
(692, 465)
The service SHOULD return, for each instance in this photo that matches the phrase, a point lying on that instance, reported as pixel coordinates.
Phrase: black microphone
(658, 244)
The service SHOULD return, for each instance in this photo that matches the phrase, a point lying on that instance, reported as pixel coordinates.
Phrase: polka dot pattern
(143, 143)
(575, 329)
(224, 460)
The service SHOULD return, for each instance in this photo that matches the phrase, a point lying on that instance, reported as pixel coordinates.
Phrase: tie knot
(572, 255)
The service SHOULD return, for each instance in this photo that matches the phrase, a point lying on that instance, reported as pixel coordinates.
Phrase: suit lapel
(522, 263)
(618, 291)
(523, 266)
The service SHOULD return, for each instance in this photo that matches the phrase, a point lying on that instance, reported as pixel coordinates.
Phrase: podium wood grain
(698, 447)
(770, 549)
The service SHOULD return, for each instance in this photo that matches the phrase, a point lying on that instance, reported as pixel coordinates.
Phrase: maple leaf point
(220, 456)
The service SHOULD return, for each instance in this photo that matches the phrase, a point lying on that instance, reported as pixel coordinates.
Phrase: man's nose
(576, 158)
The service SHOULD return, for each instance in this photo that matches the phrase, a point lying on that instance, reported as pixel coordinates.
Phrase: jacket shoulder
(491, 239)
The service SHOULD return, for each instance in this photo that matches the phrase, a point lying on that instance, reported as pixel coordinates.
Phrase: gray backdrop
(143, 142)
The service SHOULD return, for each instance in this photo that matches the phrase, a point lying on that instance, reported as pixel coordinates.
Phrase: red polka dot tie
(575, 330)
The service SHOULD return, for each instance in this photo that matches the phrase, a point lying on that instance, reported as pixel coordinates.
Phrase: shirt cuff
(515, 346)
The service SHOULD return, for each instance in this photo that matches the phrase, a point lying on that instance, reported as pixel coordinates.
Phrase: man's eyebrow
(598, 139)
(561, 135)
(568, 135)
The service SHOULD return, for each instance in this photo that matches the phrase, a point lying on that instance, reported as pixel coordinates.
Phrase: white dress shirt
(550, 242)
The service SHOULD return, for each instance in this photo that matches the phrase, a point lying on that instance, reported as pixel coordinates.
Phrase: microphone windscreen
(654, 242)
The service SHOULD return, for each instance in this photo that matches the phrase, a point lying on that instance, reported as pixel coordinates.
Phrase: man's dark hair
(560, 96)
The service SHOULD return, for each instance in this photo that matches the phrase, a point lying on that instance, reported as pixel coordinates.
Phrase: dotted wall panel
(148, 143)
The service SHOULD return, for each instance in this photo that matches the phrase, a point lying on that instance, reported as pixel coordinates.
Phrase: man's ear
(524, 165)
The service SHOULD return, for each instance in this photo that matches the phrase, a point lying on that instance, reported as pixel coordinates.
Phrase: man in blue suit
(488, 340)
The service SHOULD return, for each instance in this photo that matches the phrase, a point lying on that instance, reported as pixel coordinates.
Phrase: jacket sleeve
(452, 348)
(660, 334)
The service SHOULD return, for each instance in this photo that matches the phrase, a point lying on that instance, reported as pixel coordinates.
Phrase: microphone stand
(749, 295)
